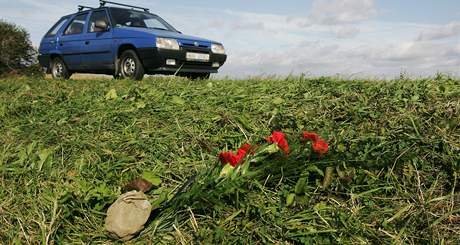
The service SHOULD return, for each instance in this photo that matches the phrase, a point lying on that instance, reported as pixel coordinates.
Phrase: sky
(351, 38)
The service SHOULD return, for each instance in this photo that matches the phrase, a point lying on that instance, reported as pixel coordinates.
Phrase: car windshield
(133, 18)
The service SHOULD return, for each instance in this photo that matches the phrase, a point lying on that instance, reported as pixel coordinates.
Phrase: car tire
(59, 69)
(196, 76)
(130, 66)
(116, 73)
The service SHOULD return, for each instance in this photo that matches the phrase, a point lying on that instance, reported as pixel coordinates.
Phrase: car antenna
(82, 7)
(104, 2)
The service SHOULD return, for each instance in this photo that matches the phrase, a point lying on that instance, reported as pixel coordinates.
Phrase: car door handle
(87, 42)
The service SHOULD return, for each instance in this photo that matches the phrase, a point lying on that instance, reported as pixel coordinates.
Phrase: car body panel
(98, 51)
(70, 49)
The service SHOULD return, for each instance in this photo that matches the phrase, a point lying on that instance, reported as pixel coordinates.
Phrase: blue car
(127, 42)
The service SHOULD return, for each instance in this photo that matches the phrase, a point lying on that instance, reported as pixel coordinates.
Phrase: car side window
(97, 16)
(53, 31)
(77, 25)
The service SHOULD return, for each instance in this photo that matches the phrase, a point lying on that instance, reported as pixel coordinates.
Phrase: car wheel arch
(122, 48)
(54, 56)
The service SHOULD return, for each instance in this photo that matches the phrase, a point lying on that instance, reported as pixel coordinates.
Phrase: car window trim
(64, 19)
(70, 22)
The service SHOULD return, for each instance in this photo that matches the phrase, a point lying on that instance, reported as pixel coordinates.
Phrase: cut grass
(67, 148)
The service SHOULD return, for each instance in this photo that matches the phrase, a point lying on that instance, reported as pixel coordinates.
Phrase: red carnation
(228, 157)
(245, 147)
(321, 147)
(279, 139)
(232, 159)
(311, 136)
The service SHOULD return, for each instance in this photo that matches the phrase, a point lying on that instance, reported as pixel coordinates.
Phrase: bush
(17, 55)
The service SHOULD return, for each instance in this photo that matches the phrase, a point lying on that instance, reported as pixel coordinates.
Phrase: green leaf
(328, 177)
(22, 155)
(163, 197)
(31, 147)
(314, 168)
(273, 148)
(290, 199)
(62, 121)
(320, 206)
(341, 148)
(140, 105)
(178, 100)
(300, 186)
(152, 178)
(111, 95)
(226, 170)
(245, 168)
(44, 156)
(278, 101)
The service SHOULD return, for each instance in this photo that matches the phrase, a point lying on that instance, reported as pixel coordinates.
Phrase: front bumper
(154, 61)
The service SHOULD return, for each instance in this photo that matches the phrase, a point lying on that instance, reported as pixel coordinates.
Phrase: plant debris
(138, 185)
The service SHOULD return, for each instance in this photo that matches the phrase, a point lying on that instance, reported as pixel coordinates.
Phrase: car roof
(105, 7)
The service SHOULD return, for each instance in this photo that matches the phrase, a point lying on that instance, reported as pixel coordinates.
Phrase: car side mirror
(101, 25)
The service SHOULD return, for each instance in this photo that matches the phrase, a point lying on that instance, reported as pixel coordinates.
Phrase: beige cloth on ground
(128, 215)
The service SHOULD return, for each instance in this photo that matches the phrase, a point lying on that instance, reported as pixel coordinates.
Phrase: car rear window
(53, 31)
(77, 25)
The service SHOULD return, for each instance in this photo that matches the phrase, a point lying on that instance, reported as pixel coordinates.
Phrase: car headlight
(218, 49)
(167, 43)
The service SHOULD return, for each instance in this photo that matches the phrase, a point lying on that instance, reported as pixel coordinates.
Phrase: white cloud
(382, 50)
(440, 32)
(457, 49)
(343, 16)
(347, 31)
(336, 12)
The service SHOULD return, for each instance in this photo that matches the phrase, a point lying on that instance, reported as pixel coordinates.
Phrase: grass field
(68, 147)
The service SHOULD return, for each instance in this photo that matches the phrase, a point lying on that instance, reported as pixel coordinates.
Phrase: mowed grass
(68, 147)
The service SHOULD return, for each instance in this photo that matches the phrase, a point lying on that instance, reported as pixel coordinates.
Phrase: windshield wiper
(159, 28)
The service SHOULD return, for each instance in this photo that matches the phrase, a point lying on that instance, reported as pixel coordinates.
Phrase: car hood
(170, 34)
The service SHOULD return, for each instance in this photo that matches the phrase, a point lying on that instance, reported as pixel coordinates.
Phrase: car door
(72, 40)
(98, 53)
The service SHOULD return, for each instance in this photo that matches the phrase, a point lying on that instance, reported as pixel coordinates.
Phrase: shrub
(17, 55)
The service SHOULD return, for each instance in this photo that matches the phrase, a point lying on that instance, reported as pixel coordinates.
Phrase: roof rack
(103, 3)
(82, 7)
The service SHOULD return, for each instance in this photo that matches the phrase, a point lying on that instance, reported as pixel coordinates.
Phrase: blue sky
(353, 38)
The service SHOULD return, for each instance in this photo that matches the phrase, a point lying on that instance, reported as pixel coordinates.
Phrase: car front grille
(192, 45)
(196, 49)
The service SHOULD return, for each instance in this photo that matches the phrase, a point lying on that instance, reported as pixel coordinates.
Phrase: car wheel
(116, 73)
(130, 66)
(117, 76)
(59, 69)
